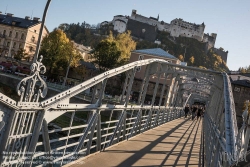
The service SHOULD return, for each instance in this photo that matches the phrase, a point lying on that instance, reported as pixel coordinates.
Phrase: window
(34, 30)
(33, 39)
(141, 57)
(138, 69)
(10, 34)
(16, 35)
(14, 45)
(20, 46)
(4, 32)
(31, 48)
(22, 36)
(236, 89)
(8, 43)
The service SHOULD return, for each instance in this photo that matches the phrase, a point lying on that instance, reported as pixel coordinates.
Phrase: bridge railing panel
(114, 127)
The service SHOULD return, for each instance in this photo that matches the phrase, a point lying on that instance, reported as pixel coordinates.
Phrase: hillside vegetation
(186, 49)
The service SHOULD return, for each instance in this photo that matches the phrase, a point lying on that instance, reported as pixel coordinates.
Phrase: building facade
(241, 92)
(210, 40)
(84, 51)
(179, 27)
(156, 53)
(19, 33)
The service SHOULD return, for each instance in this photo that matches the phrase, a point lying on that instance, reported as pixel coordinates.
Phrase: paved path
(177, 143)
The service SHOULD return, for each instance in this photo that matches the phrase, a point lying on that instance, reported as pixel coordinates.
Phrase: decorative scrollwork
(33, 86)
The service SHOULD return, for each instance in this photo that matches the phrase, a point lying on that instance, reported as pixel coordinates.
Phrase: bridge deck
(176, 143)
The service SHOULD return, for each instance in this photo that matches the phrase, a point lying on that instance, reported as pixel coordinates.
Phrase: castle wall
(120, 26)
(178, 27)
(221, 53)
(210, 39)
(120, 23)
(142, 30)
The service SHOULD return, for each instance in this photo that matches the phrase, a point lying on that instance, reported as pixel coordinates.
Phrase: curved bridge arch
(125, 120)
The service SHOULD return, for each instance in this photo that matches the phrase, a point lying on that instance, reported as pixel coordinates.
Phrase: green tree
(125, 45)
(58, 51)
(81, 70)
(20, 54)
(106, 55)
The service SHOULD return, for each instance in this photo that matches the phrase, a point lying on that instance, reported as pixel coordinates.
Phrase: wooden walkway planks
(176, 143)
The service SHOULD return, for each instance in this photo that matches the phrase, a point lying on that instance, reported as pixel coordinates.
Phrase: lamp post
(41, 31)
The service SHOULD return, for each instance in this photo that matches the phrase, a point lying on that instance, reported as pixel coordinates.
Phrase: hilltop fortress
(176, 28)
(146, 28)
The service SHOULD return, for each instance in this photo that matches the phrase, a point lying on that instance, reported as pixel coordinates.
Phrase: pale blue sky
(230, 19)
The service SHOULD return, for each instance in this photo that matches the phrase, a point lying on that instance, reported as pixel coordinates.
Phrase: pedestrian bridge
(57, 131)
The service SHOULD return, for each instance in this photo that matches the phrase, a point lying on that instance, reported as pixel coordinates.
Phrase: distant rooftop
(10, 20)
(88, 65)
(156, 52)
(240, 79)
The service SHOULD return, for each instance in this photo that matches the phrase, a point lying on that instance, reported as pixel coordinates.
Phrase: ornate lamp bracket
(32, 87)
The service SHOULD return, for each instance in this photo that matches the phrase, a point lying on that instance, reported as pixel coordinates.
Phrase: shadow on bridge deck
(176, 143)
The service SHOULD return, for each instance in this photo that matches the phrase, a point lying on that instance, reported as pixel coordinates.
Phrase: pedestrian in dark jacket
(186, 110)
(199, 112)
(194, 112)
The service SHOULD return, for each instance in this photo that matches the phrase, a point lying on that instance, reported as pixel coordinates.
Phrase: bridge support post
(170, 91)
(154, 96)
(144, 86)
(163, 88)
(35, 134)
(45, 135)
(98, 134)
(175, 90)
(124, 87)
(93, 94)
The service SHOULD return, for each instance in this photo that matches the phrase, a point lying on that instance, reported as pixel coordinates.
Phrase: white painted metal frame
(107, 124)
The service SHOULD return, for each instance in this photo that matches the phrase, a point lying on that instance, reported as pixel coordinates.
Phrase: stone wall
(221, 53)
(142, 30)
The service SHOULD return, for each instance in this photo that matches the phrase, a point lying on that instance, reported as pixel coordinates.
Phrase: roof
(242, 80)
(19, 22)
(156, 52)
(88, 65)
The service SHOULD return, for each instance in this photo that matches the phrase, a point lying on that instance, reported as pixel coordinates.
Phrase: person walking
(199, 112)
(186, 110)
(194, 112)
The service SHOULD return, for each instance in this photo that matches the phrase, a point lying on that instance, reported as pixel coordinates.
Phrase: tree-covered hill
(186, 49)
(194, 51)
